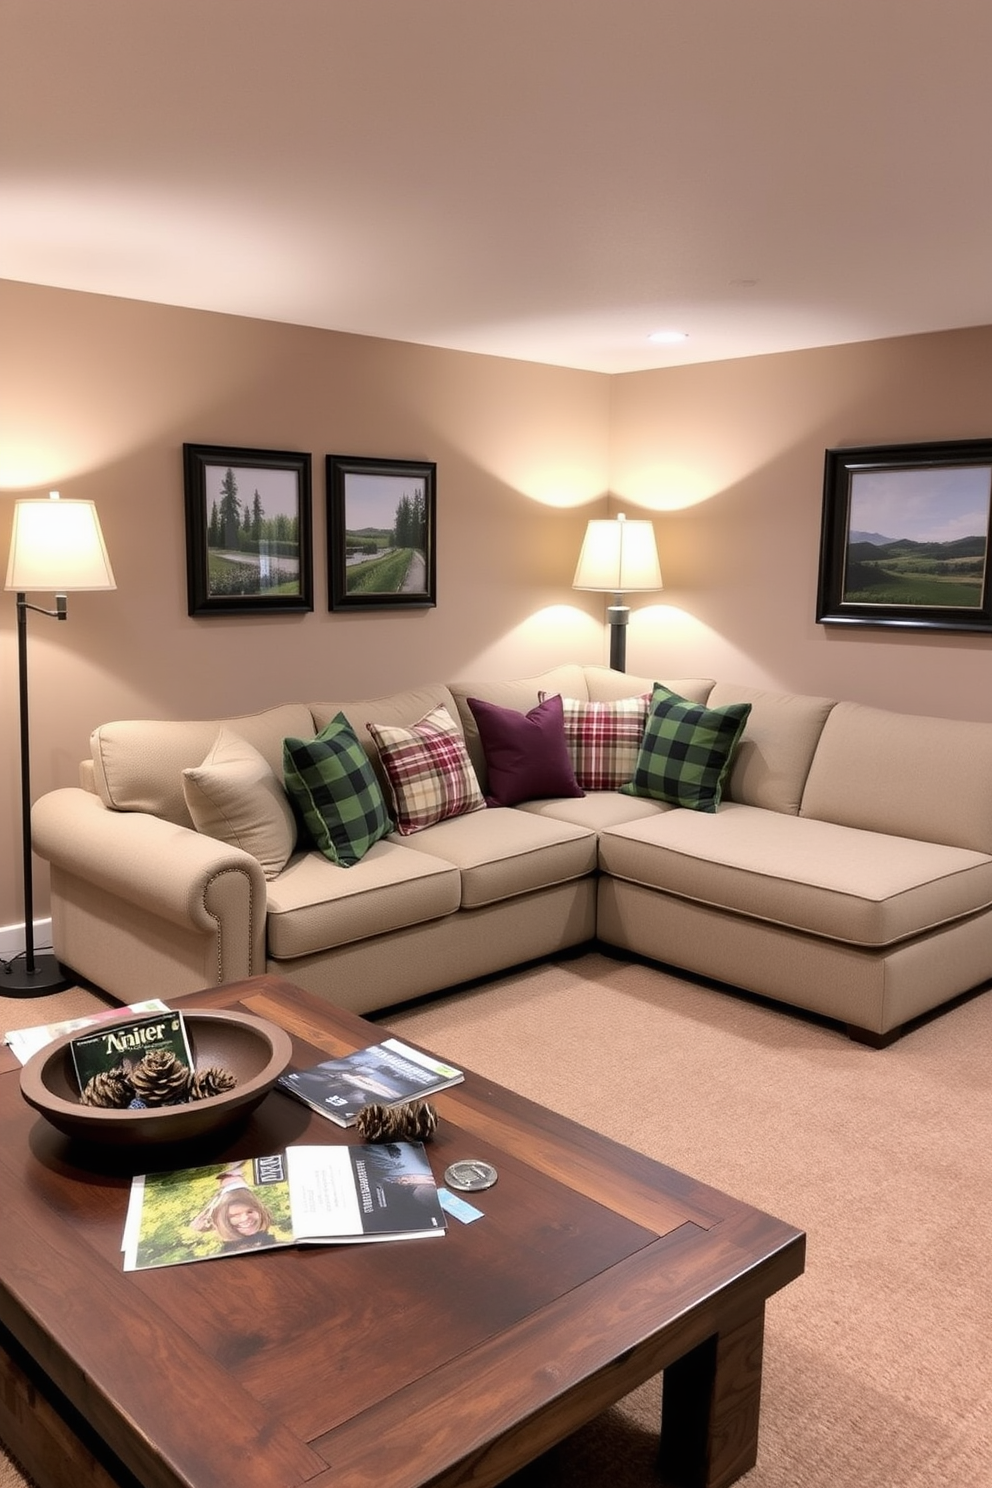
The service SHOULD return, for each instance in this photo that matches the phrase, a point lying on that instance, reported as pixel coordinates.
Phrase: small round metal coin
(470, 1174)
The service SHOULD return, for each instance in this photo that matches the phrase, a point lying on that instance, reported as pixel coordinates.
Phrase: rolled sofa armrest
(121, 868)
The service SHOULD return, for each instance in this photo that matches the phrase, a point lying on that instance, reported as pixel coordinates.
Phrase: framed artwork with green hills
(380, 533)
(905, 536)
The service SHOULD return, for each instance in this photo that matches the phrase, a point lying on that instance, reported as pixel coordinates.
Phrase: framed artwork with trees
(248, 531)
(381, 533)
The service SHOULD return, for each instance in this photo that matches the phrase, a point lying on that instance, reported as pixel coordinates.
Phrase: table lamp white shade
(57, 546)
(618, 557)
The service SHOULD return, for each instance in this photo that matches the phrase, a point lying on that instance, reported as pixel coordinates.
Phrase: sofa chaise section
(868, 900)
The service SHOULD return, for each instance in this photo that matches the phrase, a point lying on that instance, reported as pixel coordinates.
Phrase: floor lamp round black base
(47, 976)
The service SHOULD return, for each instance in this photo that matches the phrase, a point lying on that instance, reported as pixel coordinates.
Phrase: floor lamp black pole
(39, 974)
(618, 614)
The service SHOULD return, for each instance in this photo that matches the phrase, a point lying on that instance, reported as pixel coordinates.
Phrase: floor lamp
(56, 546)
(618, 557)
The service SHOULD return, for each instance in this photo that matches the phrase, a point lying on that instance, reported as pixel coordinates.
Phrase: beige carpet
(878, 1369)
(878, 1372)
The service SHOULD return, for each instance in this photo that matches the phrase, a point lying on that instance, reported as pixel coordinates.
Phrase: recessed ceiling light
(669, 338)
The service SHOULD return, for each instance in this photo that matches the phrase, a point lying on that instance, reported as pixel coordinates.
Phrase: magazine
(386, 1074)
(303, 1196)
(100, 1050)
(27, 1041)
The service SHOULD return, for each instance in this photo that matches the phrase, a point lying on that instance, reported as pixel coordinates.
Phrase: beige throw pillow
(235, 797)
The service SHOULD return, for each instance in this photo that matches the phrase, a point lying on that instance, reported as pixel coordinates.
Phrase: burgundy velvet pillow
(526, 754)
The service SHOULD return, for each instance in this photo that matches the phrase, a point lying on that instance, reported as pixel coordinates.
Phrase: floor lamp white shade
(618, 557)
(55, 546)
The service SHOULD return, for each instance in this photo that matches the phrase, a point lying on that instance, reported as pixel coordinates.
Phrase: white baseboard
(12, 938)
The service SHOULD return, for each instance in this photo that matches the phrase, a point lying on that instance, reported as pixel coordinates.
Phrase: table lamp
(55, 545)
(618, 557)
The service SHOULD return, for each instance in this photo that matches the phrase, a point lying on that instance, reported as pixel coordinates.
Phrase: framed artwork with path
(381, 533)
(248, 530)
(905, 536)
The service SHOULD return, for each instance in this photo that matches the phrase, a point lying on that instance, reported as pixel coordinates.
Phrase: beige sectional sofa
(847, 871)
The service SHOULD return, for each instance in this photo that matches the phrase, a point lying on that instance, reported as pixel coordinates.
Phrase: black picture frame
(263, 564)
(371, 563)
(905, 536)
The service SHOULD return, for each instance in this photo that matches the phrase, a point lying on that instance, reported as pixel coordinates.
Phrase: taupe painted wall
(97, 396)
(730, 457)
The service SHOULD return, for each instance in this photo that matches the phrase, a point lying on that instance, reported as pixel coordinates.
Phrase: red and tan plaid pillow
(604, 739)
(428, 769)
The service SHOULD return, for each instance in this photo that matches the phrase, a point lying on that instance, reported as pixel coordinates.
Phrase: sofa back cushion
(138, 764)
(774, 755)
(605, 685)
(911, 776)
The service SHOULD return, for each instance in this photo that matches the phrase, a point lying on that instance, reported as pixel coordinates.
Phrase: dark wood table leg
(54, 1446)
(710, 1405)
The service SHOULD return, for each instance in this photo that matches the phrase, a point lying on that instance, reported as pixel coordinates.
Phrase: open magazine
(303, 1196)
(386, 1074)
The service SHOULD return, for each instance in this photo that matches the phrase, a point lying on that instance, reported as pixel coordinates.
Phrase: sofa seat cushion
(502, 852)
(315, 905)
(597, 809)
(864, 888)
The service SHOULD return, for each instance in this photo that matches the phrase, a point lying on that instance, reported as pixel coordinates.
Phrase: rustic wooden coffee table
(378, 1366)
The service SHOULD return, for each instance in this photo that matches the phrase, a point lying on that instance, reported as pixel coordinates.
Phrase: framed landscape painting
(380, 533)
(248, 531)
(905, 536)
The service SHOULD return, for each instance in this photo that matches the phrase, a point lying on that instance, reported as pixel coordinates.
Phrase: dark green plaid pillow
(336, 792)
(686, 751)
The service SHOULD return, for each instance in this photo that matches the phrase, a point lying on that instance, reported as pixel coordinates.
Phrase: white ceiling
(546, 179)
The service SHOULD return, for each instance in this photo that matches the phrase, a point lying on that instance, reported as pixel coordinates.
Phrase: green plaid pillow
(335, 789)
(686, 751)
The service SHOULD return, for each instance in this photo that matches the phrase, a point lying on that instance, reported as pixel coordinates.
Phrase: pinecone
(160, 1079)
(110, 1088)
(212, 1081)
(416, 1122)
(376, 1124)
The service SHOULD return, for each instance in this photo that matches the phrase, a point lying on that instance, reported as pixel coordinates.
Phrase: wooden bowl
(254, 1050)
